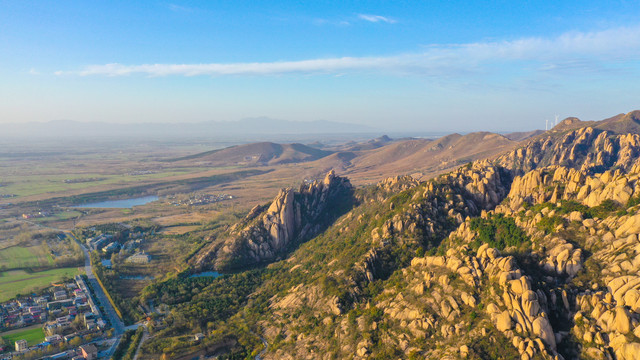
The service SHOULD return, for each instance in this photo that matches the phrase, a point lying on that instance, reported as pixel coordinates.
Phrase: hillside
(255, 154)
(531, 255)
(363, 162)
(622, 123)
(425, 158)
(523, 135)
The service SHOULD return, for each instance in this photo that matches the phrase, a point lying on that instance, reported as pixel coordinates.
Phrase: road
(110, 313)
(101, 297)
(145, 336)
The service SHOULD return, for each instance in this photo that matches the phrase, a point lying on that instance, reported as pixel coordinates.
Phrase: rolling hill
(257, 154)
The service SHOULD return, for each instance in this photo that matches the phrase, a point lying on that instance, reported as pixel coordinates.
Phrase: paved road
(101, 297)
(110, 312)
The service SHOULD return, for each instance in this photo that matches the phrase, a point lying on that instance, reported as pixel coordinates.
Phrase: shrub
(605, 208)
(549, 224)
(498, 231)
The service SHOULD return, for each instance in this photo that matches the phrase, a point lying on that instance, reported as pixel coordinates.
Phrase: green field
(34, 184)
(18, 257)
(33, 336)
(21, 282)
(68, 215)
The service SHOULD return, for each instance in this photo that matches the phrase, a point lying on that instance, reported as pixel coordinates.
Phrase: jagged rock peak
(398, 183)
(329, 177)
(292, 217)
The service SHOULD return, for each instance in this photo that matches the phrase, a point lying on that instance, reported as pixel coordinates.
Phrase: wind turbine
(556, 119)
(546, 124)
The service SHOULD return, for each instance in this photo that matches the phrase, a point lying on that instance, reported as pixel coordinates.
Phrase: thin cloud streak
(376, 18)
(179, 8)
(588, 49)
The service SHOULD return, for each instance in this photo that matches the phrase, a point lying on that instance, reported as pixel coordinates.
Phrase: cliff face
(291, 218)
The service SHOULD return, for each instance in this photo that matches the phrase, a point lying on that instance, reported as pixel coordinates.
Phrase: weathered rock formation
(291, 218)
(587, 149)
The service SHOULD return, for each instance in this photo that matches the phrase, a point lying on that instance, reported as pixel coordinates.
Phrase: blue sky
(427, 65)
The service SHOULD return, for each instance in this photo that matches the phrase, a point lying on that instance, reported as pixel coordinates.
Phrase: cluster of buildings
(36, 214)
(141, 172)
(22, 312)
(199, 199)
(68, 311)
(100, 241)
(107, 243)
(139, 258)
(84, 352)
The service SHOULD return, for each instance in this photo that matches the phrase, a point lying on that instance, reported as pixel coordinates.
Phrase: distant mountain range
(209, 129)
(375, 159)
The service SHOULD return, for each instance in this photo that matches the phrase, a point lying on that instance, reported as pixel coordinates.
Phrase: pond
(125, 203)
(213, 274)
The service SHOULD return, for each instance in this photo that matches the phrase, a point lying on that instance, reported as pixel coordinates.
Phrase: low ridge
(255, 154)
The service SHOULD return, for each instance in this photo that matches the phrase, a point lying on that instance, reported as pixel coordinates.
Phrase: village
(67, 319)
(63, 322)
(197, 199)
(127, 242)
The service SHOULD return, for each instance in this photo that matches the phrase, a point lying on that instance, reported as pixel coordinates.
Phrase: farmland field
(52, 183)
(33, 336)
(20, 257)
(21, 282)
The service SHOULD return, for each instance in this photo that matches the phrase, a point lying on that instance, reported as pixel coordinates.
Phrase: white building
(21, 345)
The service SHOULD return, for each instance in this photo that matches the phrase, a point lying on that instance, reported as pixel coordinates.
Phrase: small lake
(124, 204)
(213, 274)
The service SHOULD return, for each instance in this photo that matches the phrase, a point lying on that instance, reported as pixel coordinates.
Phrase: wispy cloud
(179, 8)
(321, 22)
(579, 50)
(376, 18)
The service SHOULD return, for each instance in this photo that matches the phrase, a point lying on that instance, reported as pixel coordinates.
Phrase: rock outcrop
(291, 218)
(587, 149)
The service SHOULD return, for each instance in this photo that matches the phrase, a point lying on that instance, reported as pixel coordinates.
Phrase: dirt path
(145, 336)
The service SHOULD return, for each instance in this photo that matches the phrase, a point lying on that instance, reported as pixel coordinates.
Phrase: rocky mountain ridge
(587, 149)
(532, 255)
(525, 305)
